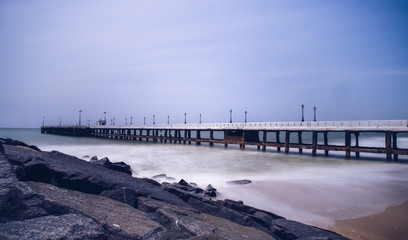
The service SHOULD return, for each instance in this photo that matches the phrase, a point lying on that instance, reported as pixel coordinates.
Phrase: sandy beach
(390, 224)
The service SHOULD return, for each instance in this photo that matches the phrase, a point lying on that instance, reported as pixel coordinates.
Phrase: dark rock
(287, 229)
(151, 181)
(93, 159)
(103, 162)
(210, 191)
(123, 194)
(183, 182)
(69, 226)
(1, 148)
(121, 167)
(118, 218)
(241, 207)
(240, 182)
(163, 177)
(72, 173)
(187, 222)
(13, 142)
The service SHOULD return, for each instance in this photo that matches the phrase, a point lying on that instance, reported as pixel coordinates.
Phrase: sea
(313, 190)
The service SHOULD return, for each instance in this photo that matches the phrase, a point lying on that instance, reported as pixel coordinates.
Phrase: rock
(121, 167)
(13, 142)
(151, 181)
(287, 229)
(1, 148)
(123, 194)
(93, 159)
(210, 191)
(187, 222)
(103, 162)
(109, 213)
(73, 173)
(163, 177)
(182, 182)
(68, 226)
(240, 182)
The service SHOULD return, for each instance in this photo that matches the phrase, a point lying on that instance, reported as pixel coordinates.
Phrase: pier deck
(257, 134)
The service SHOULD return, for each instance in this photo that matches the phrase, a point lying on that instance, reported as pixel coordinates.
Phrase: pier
(280, 135)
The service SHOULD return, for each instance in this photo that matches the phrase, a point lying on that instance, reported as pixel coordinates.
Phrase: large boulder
(68, 226)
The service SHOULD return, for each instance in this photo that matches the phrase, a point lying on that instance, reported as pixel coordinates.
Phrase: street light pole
(80, 111)
(105, 116)
(230, 115)
(125, 121)
(131, 120)
(314, 109)
(246, 116)
(185, 118)
(303, 118)
(114, 121)
(43, 121)
(154, 119)
(60, 121)
(144, 121)
(200, 118)
(168, 119)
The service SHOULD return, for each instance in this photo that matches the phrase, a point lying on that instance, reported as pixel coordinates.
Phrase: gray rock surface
(68, 226)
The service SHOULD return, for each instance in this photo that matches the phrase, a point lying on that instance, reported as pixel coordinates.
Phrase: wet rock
(187, 222)
(287, 229)
(163, 177)
(103, 162)
(210, 191)
(93, 159)
(240, 182)
(13, 142)
(121, 167)
(68, 226)
(152, 181)
(118, 218)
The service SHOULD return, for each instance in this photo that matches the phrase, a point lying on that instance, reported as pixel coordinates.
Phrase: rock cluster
(51, 195)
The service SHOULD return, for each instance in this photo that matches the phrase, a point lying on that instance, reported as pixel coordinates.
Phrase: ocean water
(314, 190)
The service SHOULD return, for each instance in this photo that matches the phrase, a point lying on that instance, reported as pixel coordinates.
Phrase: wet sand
(390, 224)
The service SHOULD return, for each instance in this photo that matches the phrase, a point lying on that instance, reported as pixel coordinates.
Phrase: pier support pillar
(388, 149)
(211, 138)
(394, 144)
(357, 134)
(278, 140)
(325, 139)
(300, 141)
(198, 137)
(314, 143)
(264, 141)
(287, 140)
(347, 144)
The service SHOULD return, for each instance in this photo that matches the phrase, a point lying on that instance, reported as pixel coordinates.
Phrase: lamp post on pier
(154, 119)
(105, 117)
(314, 109)
(185, 118)
(131, 120)
(80, 111)
(168, 119)
(230, 115)
(125, 121)
(246, 116)
(60, 122)
(114, 121)
(303, 118)
(144, 121)
(200, 118)
(43, 121)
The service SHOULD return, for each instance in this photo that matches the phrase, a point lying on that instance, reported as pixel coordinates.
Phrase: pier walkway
(287, 135)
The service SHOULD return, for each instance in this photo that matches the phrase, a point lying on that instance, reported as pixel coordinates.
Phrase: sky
(166, 58)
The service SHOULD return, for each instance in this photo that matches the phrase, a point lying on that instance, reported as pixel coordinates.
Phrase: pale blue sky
(139, 58)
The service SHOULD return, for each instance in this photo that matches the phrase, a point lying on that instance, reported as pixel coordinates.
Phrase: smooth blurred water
(313, 190)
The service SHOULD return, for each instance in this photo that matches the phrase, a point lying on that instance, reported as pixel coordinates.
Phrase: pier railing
(371, 125)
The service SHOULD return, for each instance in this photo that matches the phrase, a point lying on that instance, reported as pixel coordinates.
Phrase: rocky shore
(51, 195)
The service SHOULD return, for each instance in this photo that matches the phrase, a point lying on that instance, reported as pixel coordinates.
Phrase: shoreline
(390, 224)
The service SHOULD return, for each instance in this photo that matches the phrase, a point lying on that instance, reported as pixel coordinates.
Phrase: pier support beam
(198, 137)
(300, 141)
(314, 143)
(357, 134)
(325, 139)
(287, 140)
(388, 149)
(264, 141)
(347, 143)
(394, 145)
(211, 137)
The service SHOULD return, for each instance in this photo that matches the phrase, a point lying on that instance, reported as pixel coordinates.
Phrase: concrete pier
(256, 134)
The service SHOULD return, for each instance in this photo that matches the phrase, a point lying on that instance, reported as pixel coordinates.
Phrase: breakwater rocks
(51, 195)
